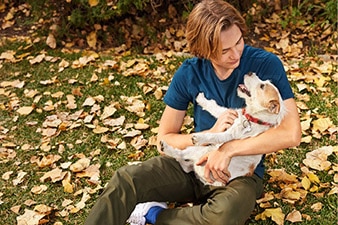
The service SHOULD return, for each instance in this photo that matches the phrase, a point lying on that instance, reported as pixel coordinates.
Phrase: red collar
(255, 120)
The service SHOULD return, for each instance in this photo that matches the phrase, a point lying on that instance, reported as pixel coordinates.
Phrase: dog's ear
(274, 106)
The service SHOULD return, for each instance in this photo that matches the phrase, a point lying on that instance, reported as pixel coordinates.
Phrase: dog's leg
(210, 105)
(212, 138)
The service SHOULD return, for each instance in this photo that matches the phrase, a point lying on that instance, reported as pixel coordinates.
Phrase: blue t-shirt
(197, 75)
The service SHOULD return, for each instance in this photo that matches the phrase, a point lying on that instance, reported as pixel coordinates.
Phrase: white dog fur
(264, 109)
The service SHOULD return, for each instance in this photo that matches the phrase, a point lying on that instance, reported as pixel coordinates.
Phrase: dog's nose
(250, 73)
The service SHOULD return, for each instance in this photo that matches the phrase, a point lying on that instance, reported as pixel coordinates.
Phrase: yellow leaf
(93, 3)
(313, 178)
(321, 81)
(306, 183)
(322, 124)
(314, 189)
(91, 39)
(276, 215)
(67, 186)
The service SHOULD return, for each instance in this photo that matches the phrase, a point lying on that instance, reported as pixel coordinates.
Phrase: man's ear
(274, 106)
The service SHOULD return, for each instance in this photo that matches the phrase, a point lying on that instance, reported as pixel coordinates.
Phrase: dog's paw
(163, 146)
(218, 184)
(195, 139)
(200, 97)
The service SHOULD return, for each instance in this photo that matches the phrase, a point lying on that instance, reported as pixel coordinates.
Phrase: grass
(18, 131)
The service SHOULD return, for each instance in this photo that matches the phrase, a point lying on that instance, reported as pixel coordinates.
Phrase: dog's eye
(262, 86)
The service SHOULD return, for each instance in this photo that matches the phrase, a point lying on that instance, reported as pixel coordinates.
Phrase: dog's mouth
(244, 89)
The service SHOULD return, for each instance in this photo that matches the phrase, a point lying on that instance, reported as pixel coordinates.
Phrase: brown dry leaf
(82, 203)
(93, 172)
(55, 175)
(132, 133)
(62, 65)
(141, 125)
(39, 189)
(16, 209)
(37, 59)
(138, 142)
(48, 160)
(114, 122)
(317, 206)
(8, 55)
(267, 197)
(135, 105)
(15, 84)
(51, 41)
(108, 111)
(281, 175)
(19, 179)
(294, 216)
(83, 61)
(25, 110)
(7, 175)
(290, 194)
(30, 217)
(44, 209)
(276, 214)
(136, 155)
(100, 130)
(90, 101)
(71, 103)
(317, 159)
(80, 165)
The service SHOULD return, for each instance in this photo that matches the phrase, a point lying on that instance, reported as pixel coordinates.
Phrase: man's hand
(216, 164)
(224, 121)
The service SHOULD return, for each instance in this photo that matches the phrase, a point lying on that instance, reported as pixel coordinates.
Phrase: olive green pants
(162, 179)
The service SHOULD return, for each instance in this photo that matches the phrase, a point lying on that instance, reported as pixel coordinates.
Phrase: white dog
(264, 109)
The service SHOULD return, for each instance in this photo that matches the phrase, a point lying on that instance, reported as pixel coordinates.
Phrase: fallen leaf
(51, 41)
(317, 159)
(30, 217)
(294, 216)
(80, 165)
(25, 110)
(275, 214)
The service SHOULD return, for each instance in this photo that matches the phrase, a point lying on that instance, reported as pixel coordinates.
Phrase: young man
(215, 35)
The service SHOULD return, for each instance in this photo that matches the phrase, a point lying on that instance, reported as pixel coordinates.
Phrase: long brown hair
(206, 22)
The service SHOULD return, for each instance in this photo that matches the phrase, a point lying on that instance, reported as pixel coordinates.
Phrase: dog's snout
(250, 74)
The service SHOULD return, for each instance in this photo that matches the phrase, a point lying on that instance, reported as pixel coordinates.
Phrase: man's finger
(202, 160)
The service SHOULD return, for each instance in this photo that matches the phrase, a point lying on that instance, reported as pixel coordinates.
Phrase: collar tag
(247, 126)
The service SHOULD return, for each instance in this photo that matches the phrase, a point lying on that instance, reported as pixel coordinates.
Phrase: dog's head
(260, 96)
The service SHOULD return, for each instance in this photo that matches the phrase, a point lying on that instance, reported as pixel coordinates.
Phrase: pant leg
(229, 205)
(157, 179)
